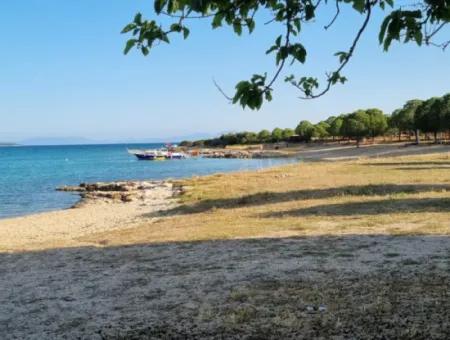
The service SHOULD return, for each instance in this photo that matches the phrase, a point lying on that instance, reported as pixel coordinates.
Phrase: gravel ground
(377, 287)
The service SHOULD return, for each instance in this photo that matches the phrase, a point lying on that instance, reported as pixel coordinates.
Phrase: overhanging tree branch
(419, 22)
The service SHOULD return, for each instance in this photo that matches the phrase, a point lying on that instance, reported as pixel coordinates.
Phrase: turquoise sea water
(30, 174)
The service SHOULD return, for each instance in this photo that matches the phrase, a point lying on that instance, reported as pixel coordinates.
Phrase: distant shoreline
(5, 145)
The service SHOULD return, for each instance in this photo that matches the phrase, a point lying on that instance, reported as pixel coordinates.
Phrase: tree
(445, 107)
(321, 130)
(264, 136)
(403, 119)
(288, 133)
(335, 127)
(277, 135)
(250, 138)
(356, 125)
(330, 120)
(377, 123)
(429, 116)
(305, 130)
(420, 23)
(229, 139)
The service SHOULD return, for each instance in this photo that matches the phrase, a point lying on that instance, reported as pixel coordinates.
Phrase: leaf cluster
(419, 23)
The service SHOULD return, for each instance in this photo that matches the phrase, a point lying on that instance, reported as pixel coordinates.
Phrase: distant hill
(173, 139)
(57, 141)
(7, 144)
(84, 141)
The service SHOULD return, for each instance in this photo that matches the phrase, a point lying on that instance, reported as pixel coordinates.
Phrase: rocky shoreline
(144, 192)
(243, 154)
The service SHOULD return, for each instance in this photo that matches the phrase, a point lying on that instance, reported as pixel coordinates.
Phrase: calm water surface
(29, 175)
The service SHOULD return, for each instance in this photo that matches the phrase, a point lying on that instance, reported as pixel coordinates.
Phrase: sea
(29, 175)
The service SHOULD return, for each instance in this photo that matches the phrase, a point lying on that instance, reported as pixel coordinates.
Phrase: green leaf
(359, 5)
(159, 5)
(309, 12)
(297, 24)
(138, 19)
(418, 37)
(342, 56)
(298, 52)
(217, 20)
(128, 28)
(273, 48)
(251, 24)
(383, 28)
(130, 44)
(237, 27)
(164, 38)
(278, 41)
(185, 32)
(176, 27)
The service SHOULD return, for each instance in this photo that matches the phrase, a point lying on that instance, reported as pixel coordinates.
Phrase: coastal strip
(103, 207)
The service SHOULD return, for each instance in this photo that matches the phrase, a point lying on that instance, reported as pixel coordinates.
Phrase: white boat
(156, 154)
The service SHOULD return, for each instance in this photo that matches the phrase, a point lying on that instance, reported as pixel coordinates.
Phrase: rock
(124, 192)
(127, 198)
(70, 188)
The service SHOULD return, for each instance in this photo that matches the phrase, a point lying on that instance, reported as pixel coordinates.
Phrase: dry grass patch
(381, 196)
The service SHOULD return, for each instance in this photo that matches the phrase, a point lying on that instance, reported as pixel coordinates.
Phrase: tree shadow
(254, 288)
(406, 164)
(263, 198)
(418, 168)
(410, 205)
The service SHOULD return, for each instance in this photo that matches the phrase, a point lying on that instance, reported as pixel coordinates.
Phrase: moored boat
(158, 154)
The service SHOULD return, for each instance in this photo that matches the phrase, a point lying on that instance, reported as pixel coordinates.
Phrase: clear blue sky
(63, 74)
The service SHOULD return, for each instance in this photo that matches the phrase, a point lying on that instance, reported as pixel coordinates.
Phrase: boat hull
(152, 155)
(144, 157)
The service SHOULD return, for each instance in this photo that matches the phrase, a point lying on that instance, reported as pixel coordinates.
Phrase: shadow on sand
(299, 287)
(295, 195)
(411, 205)
(407, 164)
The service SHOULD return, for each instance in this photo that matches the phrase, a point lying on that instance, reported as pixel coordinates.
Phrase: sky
(63, 74)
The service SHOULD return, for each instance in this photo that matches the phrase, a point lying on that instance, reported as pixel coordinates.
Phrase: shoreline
(109, 206)
(330, 152)
(284, 248)
(111, 196)
(97, 211)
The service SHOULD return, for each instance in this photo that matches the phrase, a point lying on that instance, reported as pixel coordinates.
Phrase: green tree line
(415, 118)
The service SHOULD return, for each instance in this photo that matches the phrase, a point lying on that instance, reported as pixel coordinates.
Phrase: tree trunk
(399, 136)
(435, 137)
(416, 133)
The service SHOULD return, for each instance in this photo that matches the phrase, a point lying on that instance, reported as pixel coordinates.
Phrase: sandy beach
(71, 227)
(316, 249)
(64, 228)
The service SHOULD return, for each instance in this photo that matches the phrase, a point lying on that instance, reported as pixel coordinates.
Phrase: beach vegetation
(305, 130)
(264, 136)
(277, 135)
(416, 117)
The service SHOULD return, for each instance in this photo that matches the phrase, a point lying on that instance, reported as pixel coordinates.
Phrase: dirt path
(345, 152)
